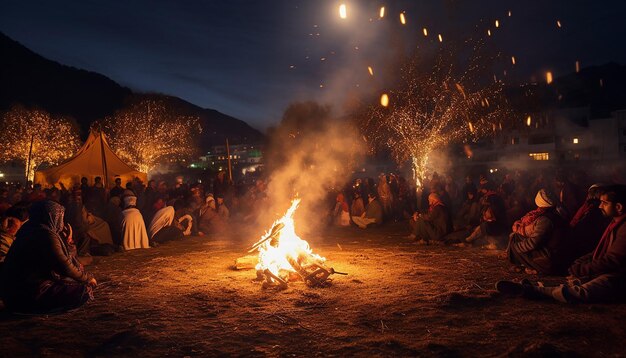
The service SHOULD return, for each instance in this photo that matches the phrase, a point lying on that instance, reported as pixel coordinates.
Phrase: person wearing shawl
(134, 235)
(40, 274)
(536, 241)
(434, 225)
(209, 220)
(599, 276)
(162, 227)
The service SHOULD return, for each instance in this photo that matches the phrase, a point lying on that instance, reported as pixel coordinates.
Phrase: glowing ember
(384, 100)
(488, 32)
(513, 59)
(425, 31)
(577, 66)
(440, 38)
(382, 12)
(402, 18)
(528, 121)
(548, 77)
(343, 11)
(370, 70)
(510, 13)
(558, 23)
(497, 23)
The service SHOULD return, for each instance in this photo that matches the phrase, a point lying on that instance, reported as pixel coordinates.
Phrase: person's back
(134, 234)
(441, 220)
(374, 211)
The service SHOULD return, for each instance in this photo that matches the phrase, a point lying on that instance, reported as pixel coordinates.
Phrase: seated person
(492, 231)
(357, 208)
(162, 227)
(13, 219)
(40, 275)
(92, 235)
(587, 225)
(599, 276)
(134, 235)
(469, 215)
(536, 242)
(373, 213)
(341, 213)
(209, 220)
(435, 224)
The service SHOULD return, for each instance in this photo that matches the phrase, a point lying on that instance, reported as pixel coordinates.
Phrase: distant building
(559, 137)
(244, 158)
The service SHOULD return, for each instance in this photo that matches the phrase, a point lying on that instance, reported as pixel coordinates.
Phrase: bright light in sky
(384, 100)
(343, 12)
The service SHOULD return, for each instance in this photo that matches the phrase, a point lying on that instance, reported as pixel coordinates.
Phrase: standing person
(117, 190)
(599, 276)
(384, 195)
(40, 275)
(134, 235)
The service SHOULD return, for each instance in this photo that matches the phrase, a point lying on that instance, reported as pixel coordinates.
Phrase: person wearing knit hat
(543, 199)
(536, 242)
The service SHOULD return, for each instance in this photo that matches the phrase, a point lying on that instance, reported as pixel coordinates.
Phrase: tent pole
(104, 162)
(230, 168)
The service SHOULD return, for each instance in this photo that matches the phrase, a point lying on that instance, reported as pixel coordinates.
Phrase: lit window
(575, 141)
(539, 156)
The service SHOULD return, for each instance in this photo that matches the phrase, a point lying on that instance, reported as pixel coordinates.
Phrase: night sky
(250, 59)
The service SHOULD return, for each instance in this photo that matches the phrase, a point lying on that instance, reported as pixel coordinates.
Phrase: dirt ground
(399, 299)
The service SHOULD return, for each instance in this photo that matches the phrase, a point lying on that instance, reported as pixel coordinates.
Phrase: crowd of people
(545, 224)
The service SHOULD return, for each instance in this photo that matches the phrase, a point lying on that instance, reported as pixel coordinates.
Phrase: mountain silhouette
(31, 80)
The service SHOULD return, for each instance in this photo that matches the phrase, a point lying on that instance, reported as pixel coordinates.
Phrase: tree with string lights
(148, 132)
(33, 137)
(435, 105)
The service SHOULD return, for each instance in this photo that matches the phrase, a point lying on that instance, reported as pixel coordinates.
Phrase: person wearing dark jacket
(587, 225)
(536, 242)
(599, 276)
(434, 225)
(40, 275)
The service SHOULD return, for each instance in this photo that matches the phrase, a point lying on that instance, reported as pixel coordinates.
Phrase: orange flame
(274, 255)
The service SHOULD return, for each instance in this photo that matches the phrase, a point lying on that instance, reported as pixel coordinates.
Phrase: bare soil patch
(399, 299)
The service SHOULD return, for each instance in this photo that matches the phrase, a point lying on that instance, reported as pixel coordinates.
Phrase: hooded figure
(537, 238)
(134, 235)
(40, 274)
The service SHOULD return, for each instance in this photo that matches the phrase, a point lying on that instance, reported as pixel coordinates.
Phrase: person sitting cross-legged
(599, 276)
(40, 274)
(430, 228)
(373, 213)
(536, 242)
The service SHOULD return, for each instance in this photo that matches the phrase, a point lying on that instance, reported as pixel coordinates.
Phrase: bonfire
(283, 256)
